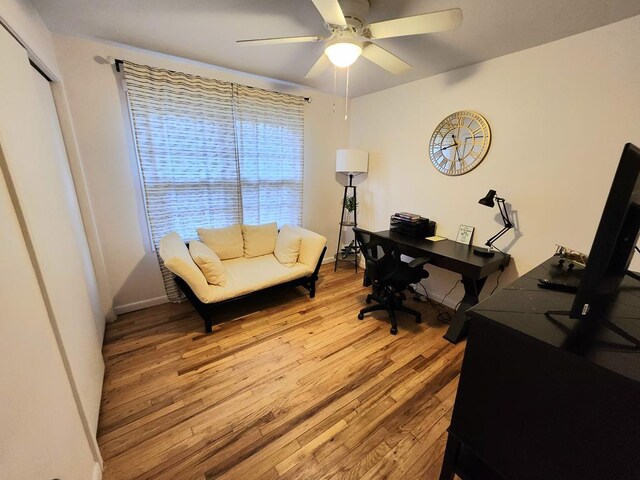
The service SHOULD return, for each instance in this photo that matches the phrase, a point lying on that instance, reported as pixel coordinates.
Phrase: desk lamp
(489, 200)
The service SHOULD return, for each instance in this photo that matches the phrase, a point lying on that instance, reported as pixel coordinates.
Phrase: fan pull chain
(335, 75)
(346, 97)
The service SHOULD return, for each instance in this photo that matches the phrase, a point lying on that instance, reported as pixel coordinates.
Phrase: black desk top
(448, 254)
(522, 305)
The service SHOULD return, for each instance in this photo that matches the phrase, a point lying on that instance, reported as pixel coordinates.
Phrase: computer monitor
(615, 240)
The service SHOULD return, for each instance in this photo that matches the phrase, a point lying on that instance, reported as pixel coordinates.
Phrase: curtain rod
(119, 62)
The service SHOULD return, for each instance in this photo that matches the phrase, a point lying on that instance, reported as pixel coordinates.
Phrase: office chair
(388, 275)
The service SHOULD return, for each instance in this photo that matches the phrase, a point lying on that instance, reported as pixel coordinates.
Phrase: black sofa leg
(208, 325)
(312, 289)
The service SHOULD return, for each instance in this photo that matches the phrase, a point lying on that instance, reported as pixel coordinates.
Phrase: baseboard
(361, 263)
(132, 307)
(97, 472)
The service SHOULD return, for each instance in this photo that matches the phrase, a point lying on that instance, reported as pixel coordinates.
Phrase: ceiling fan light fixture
(343, 52)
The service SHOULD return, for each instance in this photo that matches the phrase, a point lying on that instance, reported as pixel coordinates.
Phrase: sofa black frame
(207, 310)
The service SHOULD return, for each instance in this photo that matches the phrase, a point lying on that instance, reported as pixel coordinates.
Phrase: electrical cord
(504, 257)
(426, 295)
(502, 269)
(442, 315)
(497, 282)
(449, 292)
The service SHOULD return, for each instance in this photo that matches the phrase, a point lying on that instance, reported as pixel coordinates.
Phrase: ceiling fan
(350, 35)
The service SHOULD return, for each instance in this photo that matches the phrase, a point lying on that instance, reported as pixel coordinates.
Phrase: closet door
(41, 435)
(38, 167)
(48, 198)
(50, 327)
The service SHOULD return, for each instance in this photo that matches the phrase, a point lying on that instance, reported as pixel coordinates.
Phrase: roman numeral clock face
(459, 143)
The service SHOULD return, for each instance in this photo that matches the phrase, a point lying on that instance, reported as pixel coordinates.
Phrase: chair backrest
(382, 256)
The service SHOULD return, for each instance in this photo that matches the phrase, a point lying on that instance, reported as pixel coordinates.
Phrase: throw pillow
(287, 247)
(208, 262)
(226, 242)
(259, 239)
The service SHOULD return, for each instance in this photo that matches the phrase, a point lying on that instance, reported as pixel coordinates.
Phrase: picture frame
(465, 234)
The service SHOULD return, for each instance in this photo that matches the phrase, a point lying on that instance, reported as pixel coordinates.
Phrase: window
(270, 134)
(214, 153)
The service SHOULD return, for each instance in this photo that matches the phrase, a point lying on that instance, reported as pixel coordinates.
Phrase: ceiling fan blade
(276, 40)
(384, 59)
(417, 24)
(331, 12)
(320, 66)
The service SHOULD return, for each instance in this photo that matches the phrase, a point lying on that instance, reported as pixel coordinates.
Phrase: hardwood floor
(287, 387)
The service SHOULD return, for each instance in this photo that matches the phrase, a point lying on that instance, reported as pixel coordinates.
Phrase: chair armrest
(419, 262)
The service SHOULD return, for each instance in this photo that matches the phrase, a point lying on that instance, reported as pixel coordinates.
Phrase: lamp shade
(352, 161)
(487, 200)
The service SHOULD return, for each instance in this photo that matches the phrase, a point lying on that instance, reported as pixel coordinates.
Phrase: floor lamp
(350, 162)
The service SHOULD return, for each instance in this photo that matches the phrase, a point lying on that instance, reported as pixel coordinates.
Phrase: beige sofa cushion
(176, 258)
(287, 247)
(209, 263)
(259, 239)
(245, 275)
(226, 242)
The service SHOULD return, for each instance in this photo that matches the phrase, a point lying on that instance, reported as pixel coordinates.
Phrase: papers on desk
(435, 238)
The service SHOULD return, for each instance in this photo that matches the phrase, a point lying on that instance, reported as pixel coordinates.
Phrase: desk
(458, 258)
(547, 398)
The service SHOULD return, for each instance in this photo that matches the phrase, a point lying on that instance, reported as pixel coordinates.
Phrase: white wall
(24, 22)
(102, 127)
(560, 115)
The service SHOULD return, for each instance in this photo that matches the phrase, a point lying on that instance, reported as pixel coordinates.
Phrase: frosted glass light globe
(343, 53)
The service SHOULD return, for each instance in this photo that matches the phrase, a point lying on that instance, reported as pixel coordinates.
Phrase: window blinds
(213, 153)
(270, 132)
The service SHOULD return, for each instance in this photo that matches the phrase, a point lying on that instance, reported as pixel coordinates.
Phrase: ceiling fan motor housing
(355, 13)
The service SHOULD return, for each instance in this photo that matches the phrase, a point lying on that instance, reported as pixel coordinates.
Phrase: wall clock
(459, 143)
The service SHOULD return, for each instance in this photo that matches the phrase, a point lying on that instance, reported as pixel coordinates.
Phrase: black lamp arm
(503, 212)
(491, 241)
(508, 225)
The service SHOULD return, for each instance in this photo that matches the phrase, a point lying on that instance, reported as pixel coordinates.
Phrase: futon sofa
(227, 264)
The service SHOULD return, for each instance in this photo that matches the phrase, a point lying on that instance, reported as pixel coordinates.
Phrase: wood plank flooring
(286, 387)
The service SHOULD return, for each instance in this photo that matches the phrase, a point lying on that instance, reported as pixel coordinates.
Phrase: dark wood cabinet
(548, 397)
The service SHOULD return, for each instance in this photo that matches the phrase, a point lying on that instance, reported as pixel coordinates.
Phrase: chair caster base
(368, 299)
(360, 316)
(393, 331)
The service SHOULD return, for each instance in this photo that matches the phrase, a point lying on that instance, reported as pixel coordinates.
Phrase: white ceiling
(206, 31)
